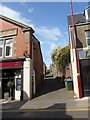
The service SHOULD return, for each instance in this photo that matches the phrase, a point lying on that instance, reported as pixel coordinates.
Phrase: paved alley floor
(53, 95)
(53, 101)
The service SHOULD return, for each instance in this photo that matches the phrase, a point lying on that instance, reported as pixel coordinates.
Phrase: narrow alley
(51, 94)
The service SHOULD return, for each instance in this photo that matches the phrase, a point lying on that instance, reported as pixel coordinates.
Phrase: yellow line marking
(46, 110)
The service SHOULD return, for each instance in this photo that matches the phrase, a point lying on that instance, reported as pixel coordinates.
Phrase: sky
(48, 19)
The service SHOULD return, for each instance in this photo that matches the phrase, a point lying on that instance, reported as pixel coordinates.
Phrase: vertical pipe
(76, 55)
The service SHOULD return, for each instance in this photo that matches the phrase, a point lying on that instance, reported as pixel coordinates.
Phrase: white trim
(88, 46)
(85, 48)
(2, 48)
(11, 45)
(86, 14)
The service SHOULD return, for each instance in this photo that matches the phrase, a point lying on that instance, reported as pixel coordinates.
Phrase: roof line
(87, 7)
(76, 14)
(86, 23)
(16, 22)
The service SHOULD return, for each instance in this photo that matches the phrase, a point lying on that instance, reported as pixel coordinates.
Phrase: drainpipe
(76, 55)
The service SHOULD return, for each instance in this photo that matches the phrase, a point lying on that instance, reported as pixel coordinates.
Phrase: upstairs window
(88, 38)
(1, 48)
(8, 47)
(87, 14)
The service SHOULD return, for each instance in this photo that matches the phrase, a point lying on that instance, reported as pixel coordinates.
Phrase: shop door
(85, 76)
(7, 75)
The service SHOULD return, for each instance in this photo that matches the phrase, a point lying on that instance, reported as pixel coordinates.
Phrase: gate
(85, 76)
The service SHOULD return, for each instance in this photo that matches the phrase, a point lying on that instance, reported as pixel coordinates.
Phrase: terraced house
(21, 59)
(82, 34)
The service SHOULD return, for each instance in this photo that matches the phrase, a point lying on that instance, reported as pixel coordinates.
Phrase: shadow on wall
(58, 111)
(79, 43)
(25, 96)
(61, 81)
(51, 84)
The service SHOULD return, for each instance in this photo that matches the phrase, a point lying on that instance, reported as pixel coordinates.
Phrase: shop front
(11, 70)
(85, 76)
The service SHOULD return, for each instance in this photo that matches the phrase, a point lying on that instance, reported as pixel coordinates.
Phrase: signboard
(18, 84)
(15, 64)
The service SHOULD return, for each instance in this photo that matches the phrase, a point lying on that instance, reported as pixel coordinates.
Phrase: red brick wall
(19, 44)
(38, 65)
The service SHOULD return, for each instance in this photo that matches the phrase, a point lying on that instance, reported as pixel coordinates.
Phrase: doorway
(85, 76)
(7, 75)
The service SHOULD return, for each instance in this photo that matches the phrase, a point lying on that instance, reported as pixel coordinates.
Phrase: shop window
(1, 48)
(8, 47)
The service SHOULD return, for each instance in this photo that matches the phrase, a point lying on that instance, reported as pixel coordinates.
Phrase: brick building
(82, 34)
(19, 54)
(44, 70)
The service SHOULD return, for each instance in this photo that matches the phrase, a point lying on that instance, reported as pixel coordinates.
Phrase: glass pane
(8, 42)
(0, 52)
(88, 34)
(7, 50)
(88, 40)
(1, 42)
(8, 47)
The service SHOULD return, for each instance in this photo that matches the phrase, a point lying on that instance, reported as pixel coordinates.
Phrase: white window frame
(88, 46)
(2, 48)
(87, 15)
(8, 45)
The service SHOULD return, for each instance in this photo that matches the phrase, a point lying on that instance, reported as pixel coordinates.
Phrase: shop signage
(16, 64)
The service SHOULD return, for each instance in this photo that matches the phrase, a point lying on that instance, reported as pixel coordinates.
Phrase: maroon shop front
(8, 70)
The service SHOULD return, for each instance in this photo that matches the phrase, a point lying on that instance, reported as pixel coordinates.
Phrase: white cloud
(30, 10)
(53, 46)
(49, 33)
(44, 31)
(6, 11)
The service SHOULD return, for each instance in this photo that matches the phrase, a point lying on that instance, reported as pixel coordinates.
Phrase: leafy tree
(88, 53)
(61, 58)
(48, 71)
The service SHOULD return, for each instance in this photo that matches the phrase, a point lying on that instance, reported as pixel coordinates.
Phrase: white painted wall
(27, 82)
(74, 72)
(0, 89)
